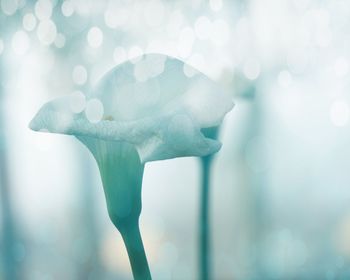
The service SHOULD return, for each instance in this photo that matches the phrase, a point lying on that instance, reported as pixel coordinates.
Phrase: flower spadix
(142, 110)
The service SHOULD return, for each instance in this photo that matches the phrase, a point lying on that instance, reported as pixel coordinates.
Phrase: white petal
(155, 107)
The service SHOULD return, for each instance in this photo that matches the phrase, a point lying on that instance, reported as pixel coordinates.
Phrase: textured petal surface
(151, 104)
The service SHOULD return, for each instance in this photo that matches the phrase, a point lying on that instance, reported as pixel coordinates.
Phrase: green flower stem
(204, 221)
(204, 225)
(122, 172)
(133, 242)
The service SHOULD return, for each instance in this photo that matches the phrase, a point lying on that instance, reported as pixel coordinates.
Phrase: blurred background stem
(88, 220)
(8, 228)
(9, 263)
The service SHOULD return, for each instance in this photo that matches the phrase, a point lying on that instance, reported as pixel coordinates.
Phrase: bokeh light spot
(116, 16)
(251, 69)
(189, 71)
(215, 5)
(94, 110)
(284, 78)
(43, 9)
(60, 40)
(135, 54)
(9, 7)
(339, 113)
(47, 32)
(220, 32)
(95, 37)
(154, 13)
(185, 43)
(202, 27)
(29, 22)
(77, 102)
(67, 8)
(341, 67)
(20, 42)
(119, 55)
(79, 75)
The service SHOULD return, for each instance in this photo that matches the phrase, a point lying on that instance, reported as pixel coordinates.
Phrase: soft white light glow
(116, 16)
(47, 32)
(154, 13)
(29, 22)
(202, 28)
(251, 69)
(185, 43)
(197, 62)
(189, 71)
(77, 102)
(215, 5)
(135, 54)
(220, 32)
(175, 22)
(43, 9)
(79, 75)
(339, 113)
(284, 78)
(60, 40)
(119, 55)
(9, 7)
(341, 67)
(95, 37)
(20, 42)
(67, 8)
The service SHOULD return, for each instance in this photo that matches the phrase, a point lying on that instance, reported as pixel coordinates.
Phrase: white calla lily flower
(161, 116)
(140, 111)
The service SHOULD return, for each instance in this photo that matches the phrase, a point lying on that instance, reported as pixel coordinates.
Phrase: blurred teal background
(280, 185)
